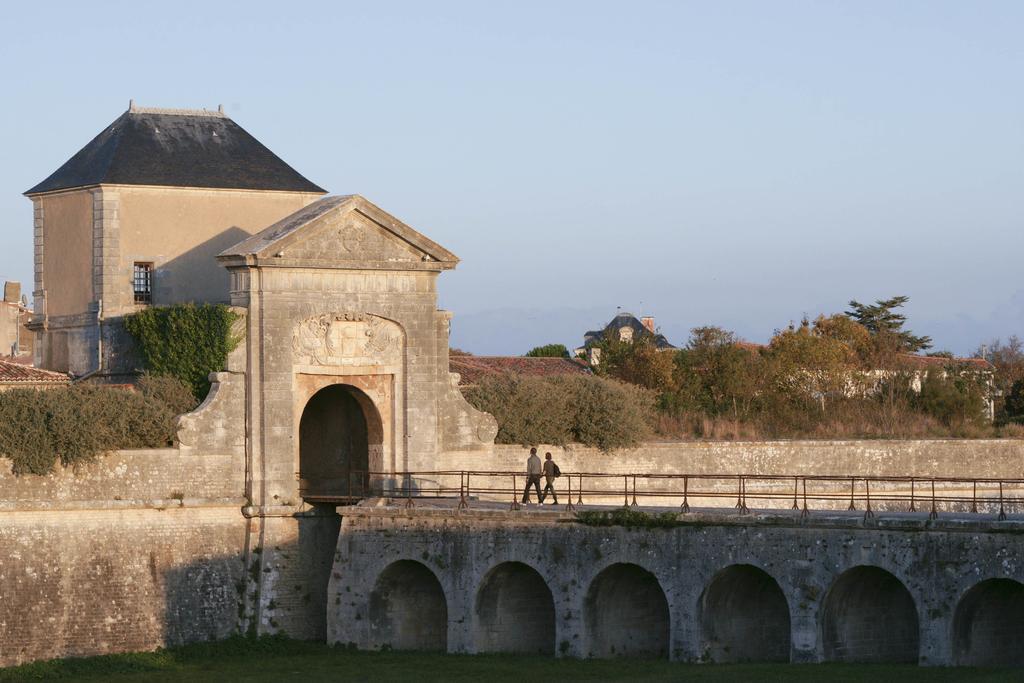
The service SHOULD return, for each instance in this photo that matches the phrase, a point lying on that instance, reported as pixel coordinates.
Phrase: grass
(279, 659)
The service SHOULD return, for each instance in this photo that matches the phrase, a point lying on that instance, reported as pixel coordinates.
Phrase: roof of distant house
(176, 148)
(627, 320)
(16, 373)
(472, 369)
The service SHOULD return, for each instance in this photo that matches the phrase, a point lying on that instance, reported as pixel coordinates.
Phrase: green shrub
(77, 423)
(548, 351)
(584, 409)
(186, 341)
(170, 391)
(630, 518)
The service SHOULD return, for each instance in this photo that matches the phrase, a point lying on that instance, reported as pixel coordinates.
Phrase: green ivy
(629, 518)
(186, 341)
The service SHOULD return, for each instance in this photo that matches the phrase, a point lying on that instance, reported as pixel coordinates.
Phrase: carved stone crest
(346, 339)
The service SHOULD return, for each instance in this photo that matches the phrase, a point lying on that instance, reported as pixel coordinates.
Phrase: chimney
(648, 323)
(12, 292)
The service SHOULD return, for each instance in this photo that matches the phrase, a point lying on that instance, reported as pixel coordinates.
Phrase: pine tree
(881, 320)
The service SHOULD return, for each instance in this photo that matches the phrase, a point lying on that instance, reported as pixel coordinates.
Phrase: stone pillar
(109, 283)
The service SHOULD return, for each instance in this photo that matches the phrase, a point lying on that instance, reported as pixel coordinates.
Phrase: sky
(740, 164)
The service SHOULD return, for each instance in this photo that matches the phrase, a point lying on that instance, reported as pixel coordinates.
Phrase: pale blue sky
(730, 163)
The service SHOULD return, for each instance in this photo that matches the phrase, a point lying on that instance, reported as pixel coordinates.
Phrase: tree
(717, 376)
(809, 365)
(952, 396)
(886, 325)
(548, 351)
(637, 361)
(1008, 360)
(1013, 408)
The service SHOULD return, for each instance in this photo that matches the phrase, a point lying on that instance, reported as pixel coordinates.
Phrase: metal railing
(743, 492)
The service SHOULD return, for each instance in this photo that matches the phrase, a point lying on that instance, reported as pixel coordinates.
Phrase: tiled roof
(472, 369)
(15, 373)
(176, 148)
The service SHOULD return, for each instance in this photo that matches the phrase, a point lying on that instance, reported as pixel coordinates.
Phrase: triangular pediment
(342, 232)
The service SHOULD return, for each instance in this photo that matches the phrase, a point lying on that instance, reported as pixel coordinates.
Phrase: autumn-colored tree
(809, 365)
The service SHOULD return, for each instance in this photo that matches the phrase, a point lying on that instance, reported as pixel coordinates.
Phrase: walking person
(551, 471)
(533, 472)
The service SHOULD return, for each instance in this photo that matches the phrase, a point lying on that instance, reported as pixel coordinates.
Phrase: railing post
(913, 508)
(1002, 510)
(974, 496)
(407, 484)
(934, 514)
(579, 493)
(685, 507)
(868, 514)
(795, 488)
(741, 503)
(634, 491)
(805, 512)
(463, 491)
(569, 506)
(515, 495)
(625, 491)
(853, 486)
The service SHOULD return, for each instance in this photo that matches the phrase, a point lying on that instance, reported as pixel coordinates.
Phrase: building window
(142, 283)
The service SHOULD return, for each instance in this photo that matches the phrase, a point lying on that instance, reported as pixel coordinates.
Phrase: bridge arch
(408, 608)
(869, 616)
(339, 429)
(515, 611)
(988, 625)
(744, 616)
(626, 614)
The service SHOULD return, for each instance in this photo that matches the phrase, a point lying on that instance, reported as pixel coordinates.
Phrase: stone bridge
(717, 587)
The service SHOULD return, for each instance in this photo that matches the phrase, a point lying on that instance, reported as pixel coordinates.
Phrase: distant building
(16, 341)
(626, 327)
(137, 217)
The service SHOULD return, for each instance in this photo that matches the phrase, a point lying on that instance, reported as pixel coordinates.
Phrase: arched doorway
(988, 626)
(626, 614)
(744, 617)
(515, 611)
(408, 610)
(339, 428)
(870, 616)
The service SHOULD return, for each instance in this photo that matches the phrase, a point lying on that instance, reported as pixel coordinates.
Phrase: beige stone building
(136, 217)
(16, 341)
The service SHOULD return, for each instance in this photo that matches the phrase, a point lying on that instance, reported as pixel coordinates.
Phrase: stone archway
(989, 625)
(744, 617)
(338, 430)
(626, 614)
(408, 609)
(870, 616)
(515, 611)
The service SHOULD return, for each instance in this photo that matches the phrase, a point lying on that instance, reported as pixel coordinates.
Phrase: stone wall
(719, 588)
(96, 581)
(941, 458)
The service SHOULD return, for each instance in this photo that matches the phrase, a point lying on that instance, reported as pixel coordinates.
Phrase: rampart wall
(720, 587)
(147, 548)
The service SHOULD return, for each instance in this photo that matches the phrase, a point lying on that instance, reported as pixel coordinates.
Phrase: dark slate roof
(176, 148)
(626, 320)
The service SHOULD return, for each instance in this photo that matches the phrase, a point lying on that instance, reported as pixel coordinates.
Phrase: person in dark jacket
(550, 472)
